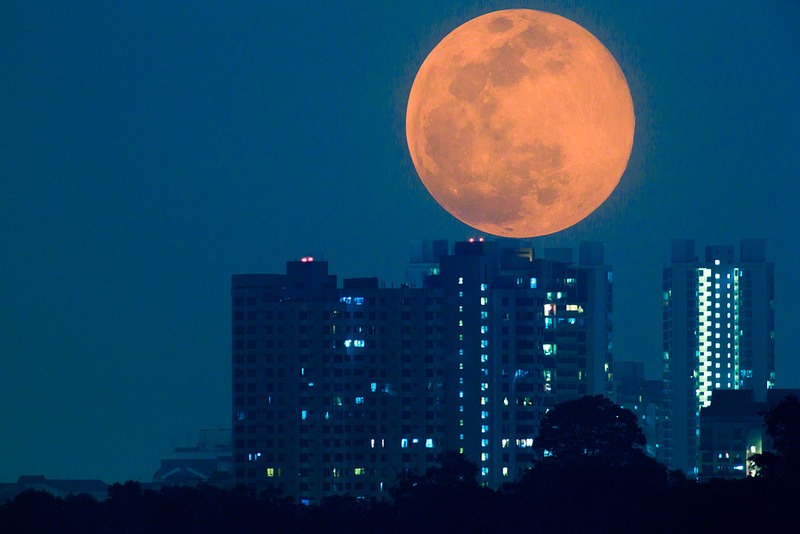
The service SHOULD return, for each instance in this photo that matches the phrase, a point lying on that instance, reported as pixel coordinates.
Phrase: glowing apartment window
(303, 414)
(484, 301)
(484, 329)
(404, 443)
(484, 386)
(533, 283)
(505, 471)
(484, 358)
(429, 443)
(483, 287)
(373, 386)
(484, 429)
(484, 471)
(505, 443)
(460, 322)
(484, 400)
(461, 308)
(484, 415)
(358, 471)
(484, 343)
(484, 457)
(484, 443)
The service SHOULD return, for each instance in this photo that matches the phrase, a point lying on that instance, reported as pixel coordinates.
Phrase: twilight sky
(149, 150)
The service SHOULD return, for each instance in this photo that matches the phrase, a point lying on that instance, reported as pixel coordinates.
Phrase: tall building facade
(342, 388)
(718, 326)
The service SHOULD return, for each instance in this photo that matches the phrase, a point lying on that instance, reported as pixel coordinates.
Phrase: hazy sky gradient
(149, 150)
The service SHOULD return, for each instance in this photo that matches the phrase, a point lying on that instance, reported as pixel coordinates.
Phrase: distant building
(640, 396)
(58, 487)
(718, 325)
(732, 430)
(341, 389)
(210, 461)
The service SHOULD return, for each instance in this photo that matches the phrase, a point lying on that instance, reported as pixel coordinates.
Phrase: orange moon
(520, 123)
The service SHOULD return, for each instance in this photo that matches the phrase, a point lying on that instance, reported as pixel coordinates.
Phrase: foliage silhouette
(589, 426)
(782, 423)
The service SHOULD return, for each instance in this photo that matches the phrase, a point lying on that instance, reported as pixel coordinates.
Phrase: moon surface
(520, 123)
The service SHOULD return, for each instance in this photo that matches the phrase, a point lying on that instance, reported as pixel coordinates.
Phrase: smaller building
(210, 461)
(732, 429)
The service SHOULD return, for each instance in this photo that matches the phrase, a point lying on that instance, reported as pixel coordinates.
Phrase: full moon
(520, 123)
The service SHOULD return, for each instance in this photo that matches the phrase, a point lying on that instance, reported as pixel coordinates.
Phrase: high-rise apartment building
(718, 326)
(340, 389)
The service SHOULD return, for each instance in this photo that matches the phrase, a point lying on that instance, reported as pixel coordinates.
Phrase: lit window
(303, 414)
(359, 471)
(483, 287)
(484, 343)
(484, 471)
(505, 471)
(484, 301)
(484, 429)
(484, 457)
(484, 400)
(404, 443)
(484, 329)
(533, 283)
(484, 386)
(461, 280)
(461, 393)
(429, 443)
(484, 443)
(460, 322)
(373, 387)
(460, 293)
(484, 358)
(484, 415)
(359, 400)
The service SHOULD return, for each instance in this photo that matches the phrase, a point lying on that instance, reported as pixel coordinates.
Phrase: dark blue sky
(149, 150)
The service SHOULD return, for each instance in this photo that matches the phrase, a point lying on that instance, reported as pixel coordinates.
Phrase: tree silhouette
(782, 423)
(589, 427)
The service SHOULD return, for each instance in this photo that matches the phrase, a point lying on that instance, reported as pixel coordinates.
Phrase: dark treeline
(594, 478)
